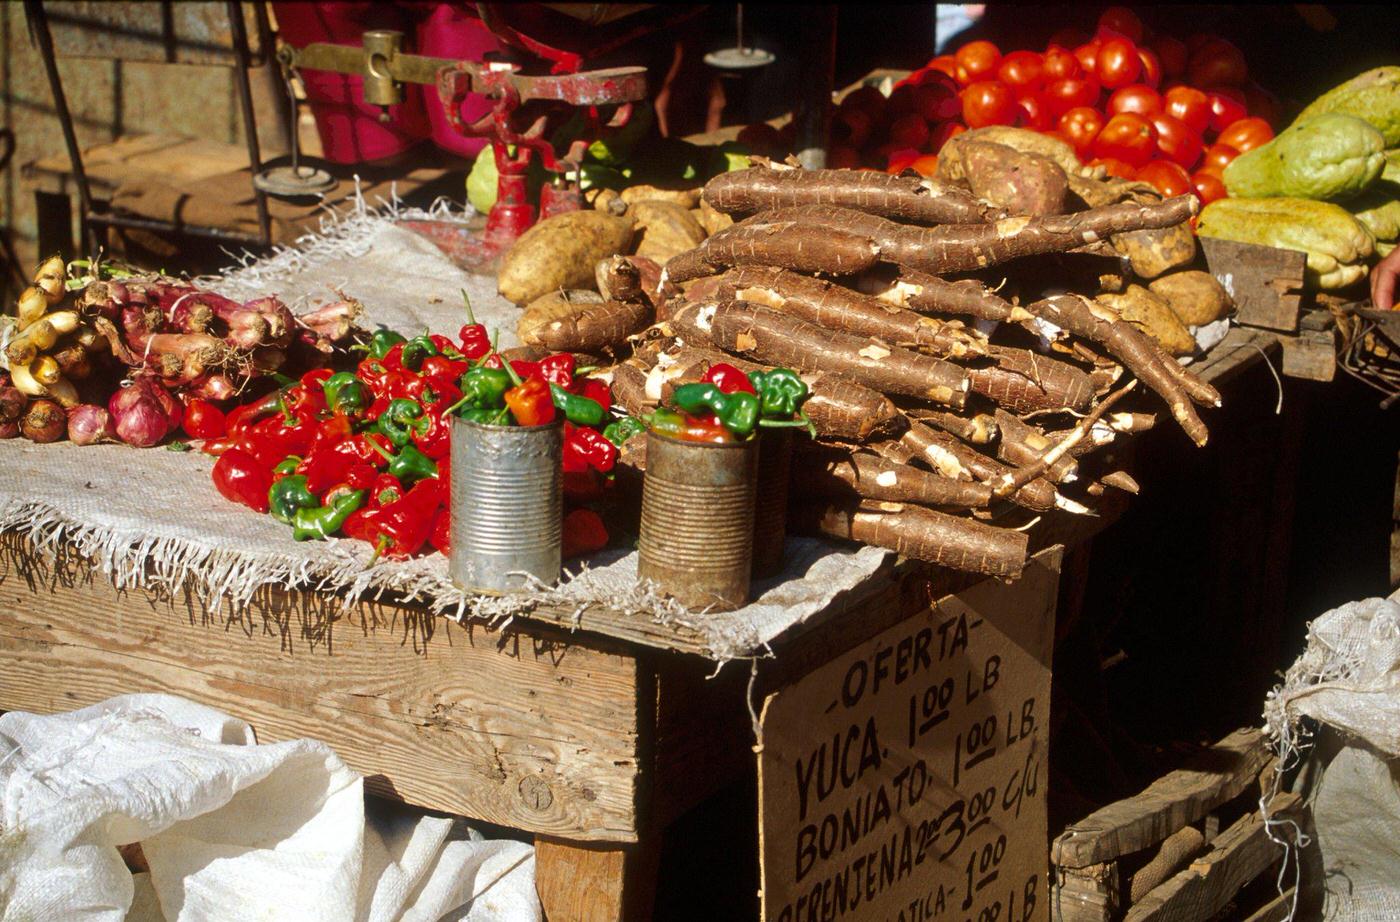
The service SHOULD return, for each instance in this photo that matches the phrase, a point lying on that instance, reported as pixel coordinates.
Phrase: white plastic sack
(1348, 679)
(232, 831)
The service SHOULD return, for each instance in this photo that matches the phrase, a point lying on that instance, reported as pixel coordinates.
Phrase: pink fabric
(448, 32)
(350, 130)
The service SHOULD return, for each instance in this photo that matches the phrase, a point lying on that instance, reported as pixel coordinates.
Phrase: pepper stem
(379, 547)
(380, 449)
(466, 300)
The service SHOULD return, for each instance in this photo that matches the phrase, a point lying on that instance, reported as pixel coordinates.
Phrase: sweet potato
(1021, 183)
(1152, 314)
(775, 338)
(908, 198)
(685, 198)
(1152, 252)
(1024, 140)
(790, 245)
(713, 220)
(664, 230)
(963, 247)
(1195, 296)
(551, 306)
(561, 252)
(923, 534)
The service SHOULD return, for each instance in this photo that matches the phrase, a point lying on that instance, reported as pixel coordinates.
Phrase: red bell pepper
(586, 449)
(584, 533)
(330, 433)
(594, 389)
(385, 490)
(728, 379)
(401, 528)
(440, 366)
(557, 369)
(203, 420)
(325, 469)
(242, 478)
(476, 342)
(531, 403)
(441, 535)
(435, 440)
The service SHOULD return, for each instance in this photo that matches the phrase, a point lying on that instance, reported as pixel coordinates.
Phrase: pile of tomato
(1152, 108)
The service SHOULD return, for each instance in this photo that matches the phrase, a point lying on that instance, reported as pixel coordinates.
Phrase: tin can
(507, 505)
(771, 501)
(697, 520)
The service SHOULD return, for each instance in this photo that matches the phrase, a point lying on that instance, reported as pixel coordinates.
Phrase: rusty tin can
(507, 505)
(771, 501)
(697, 520)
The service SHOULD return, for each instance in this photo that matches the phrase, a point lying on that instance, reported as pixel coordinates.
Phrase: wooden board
(1168, 804)
(521, 728)
(1240, 854)
(135, 157)
(910, 770)
(1266, 282)
(1238, 351)
(1091, 894)
(1311, 355)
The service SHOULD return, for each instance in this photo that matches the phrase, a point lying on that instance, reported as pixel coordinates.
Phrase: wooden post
(596, 883)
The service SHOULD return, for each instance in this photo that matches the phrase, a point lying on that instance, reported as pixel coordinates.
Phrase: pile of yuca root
(955, 373)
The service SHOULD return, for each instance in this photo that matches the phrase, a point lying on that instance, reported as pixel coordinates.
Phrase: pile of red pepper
(365, 453)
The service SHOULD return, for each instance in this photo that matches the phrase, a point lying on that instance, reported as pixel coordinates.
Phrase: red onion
(45, 422)
(12, 404)
(89, 424)
(144, 413)
(9, 430)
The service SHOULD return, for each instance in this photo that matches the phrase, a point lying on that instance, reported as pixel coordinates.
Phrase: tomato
(866, 99)
(1226, 106)
(943, 132)
(1128, 137)
(989, 102)
(1216, 158)
(901, 102)
(1068, 37)
(1063, 95)
(908, 131)
(856, 124)
(1167, 177)
(1198, 40)
(1151, 68)
(1080, 126)
(1087, 55)
(947, 64)
(1035, 112)
(979, 59)
(1171, 53)
(1177, 142)
(1262, 103)
(1118, 63)
(1122, 20)
(1058, 64)
(927, 165)
(1217, 61)
(1246, 134)
(1023, 71)
(1134, 98)
(900, 158)
(1189, 105)
(935, 102)
(1115, 167)
(1209, 187)
(842, 157)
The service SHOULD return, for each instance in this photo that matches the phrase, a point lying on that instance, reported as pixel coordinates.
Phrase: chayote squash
(481, 181)
(1329, 157)
(1391, 172)
(1336, 244)
(1374, 96)
(1380, 213)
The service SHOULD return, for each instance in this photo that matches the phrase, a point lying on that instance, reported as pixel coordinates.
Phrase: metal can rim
(731, 446)
(557, 423)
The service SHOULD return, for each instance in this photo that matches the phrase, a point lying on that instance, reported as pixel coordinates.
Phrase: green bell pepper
(288, 495)
(623, 429)
(287, 465)
(323, 521)
(347, 394)
(409, 464)
(737, 412)
(483, 388)
(416, 350)
(400, 420)
(780, 391)
(577, 409)
(382, 341)
(487, 416)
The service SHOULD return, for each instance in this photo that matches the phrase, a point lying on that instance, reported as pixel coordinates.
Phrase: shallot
(89, 424)
(144, 413)
(45, 422)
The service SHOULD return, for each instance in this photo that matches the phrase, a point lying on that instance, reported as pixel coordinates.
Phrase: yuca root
(949, 456)
(791, 245)
(628, 278)
(629, 390)
(1023, 382)
(1013, 481)
(837, 308)
(1075, 315)
(980, 429)
(1120, 480)
(837, 407)
(907, 198)
(596, 328)
(961, 247)
(923, 534)
(1022, 444)
(773, 337)
(832, 472)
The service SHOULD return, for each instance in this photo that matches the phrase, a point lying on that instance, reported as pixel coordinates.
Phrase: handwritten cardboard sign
(905, 780)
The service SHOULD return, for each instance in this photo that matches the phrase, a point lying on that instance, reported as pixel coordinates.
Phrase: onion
(45, 422)
(9, 430)
(12, 404)
(144, 413)
(89, 424)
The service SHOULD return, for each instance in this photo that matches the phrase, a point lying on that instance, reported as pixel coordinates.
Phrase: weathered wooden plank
(1276, 909)
(1171, 802)
(1266, 282)
(596, 883)
(1239, 350)
(1241, 853)
(519, 728)
(1091, 894)
(1311, 355)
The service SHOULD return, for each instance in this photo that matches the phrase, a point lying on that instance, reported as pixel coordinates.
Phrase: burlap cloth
(153, 516)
